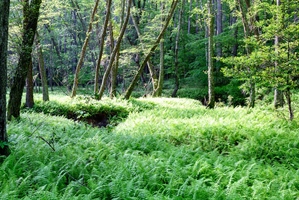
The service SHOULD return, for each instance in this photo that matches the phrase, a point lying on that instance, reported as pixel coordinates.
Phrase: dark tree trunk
(29, 87)
(30, 18)
(4, 15)
(289, 102)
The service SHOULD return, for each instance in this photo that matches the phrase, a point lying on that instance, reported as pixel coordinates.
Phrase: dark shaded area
(95, 115)
(98, 120)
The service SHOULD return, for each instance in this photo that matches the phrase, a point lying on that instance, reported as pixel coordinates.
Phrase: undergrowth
(162, 149)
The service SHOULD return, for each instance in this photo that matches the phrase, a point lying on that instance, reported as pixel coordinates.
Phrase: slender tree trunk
(219, 30)
(30, 18)
(176, 53)
(4, 15)
(29, 87)
(76, 6)
(115, 50)
(114, 69)
(210, 25)
(102, 42)
(235, 45)
(278, 95)
(289, 102)
(83, 51)
(149, 64)
(136, 77)
(249, 30)
(189, 18)
(42, 69)
(158, 91)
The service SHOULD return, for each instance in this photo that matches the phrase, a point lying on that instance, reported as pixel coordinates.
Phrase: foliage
(165, 149)
(83, 108)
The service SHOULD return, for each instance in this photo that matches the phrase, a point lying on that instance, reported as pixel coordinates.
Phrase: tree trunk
(149, 64)
(189, 18)
(289, 102)
(115, 50)
(158, 91)
(210, 25)
(83, 51)
(176, 53)
(249, 30)
(252, 94)
(4, 15)
(42, 69)
(114, 69)
(30, 18)
(29, 87)
(219, 30)
(136, 77)
(102, 42)
(278, 95)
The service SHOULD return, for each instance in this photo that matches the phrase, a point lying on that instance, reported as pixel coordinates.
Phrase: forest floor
(162, 148)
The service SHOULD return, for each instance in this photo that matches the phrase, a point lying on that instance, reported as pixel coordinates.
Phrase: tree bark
(30, 18)
(29, 87)
(210, 25)
(176, 53)
(102, 42)
(4, 15)
(289, 102)
(83, 51)
(136, 77)
(114, 69)
(278, 95)
(42, 69)
(115, 50)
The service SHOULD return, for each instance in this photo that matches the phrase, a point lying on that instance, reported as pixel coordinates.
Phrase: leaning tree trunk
(4, 15)
(115, 50)
(30, 18)
(149, 64)
(83, 51)
(102, 41)
(147, 57)
(210, 25)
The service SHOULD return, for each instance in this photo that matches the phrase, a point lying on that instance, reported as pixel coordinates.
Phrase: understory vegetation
(151, 148)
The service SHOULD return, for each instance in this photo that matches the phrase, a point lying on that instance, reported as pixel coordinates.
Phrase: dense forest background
(232, 51)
